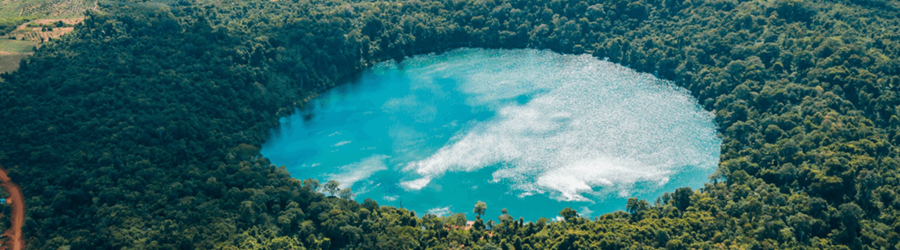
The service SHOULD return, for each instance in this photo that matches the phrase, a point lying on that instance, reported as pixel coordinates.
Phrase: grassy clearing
(16, 46)
(10, 62)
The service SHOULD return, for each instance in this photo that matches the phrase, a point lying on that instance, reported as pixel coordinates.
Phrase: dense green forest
(141, 129)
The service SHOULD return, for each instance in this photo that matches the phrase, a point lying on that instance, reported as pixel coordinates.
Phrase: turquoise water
(527, 130)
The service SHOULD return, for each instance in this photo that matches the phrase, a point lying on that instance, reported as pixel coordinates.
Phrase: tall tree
(480, 208)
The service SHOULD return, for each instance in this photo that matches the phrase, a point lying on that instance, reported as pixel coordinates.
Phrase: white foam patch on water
(350, 174)
(590, 127)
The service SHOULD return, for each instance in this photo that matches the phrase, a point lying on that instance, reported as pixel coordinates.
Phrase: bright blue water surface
(527, 130)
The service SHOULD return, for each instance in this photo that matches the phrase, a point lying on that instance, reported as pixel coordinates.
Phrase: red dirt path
(14, 233)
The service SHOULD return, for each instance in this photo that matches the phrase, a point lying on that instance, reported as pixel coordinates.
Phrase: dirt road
(14, 239)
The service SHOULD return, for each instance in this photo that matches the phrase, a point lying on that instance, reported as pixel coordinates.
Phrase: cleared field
(36, 31)
(10, 62)
(28, 37)
(16, 46)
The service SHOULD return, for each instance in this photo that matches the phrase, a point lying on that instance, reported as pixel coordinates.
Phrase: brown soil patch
(71, 21)
(10, 61)
(4, 53)
(13, 235)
